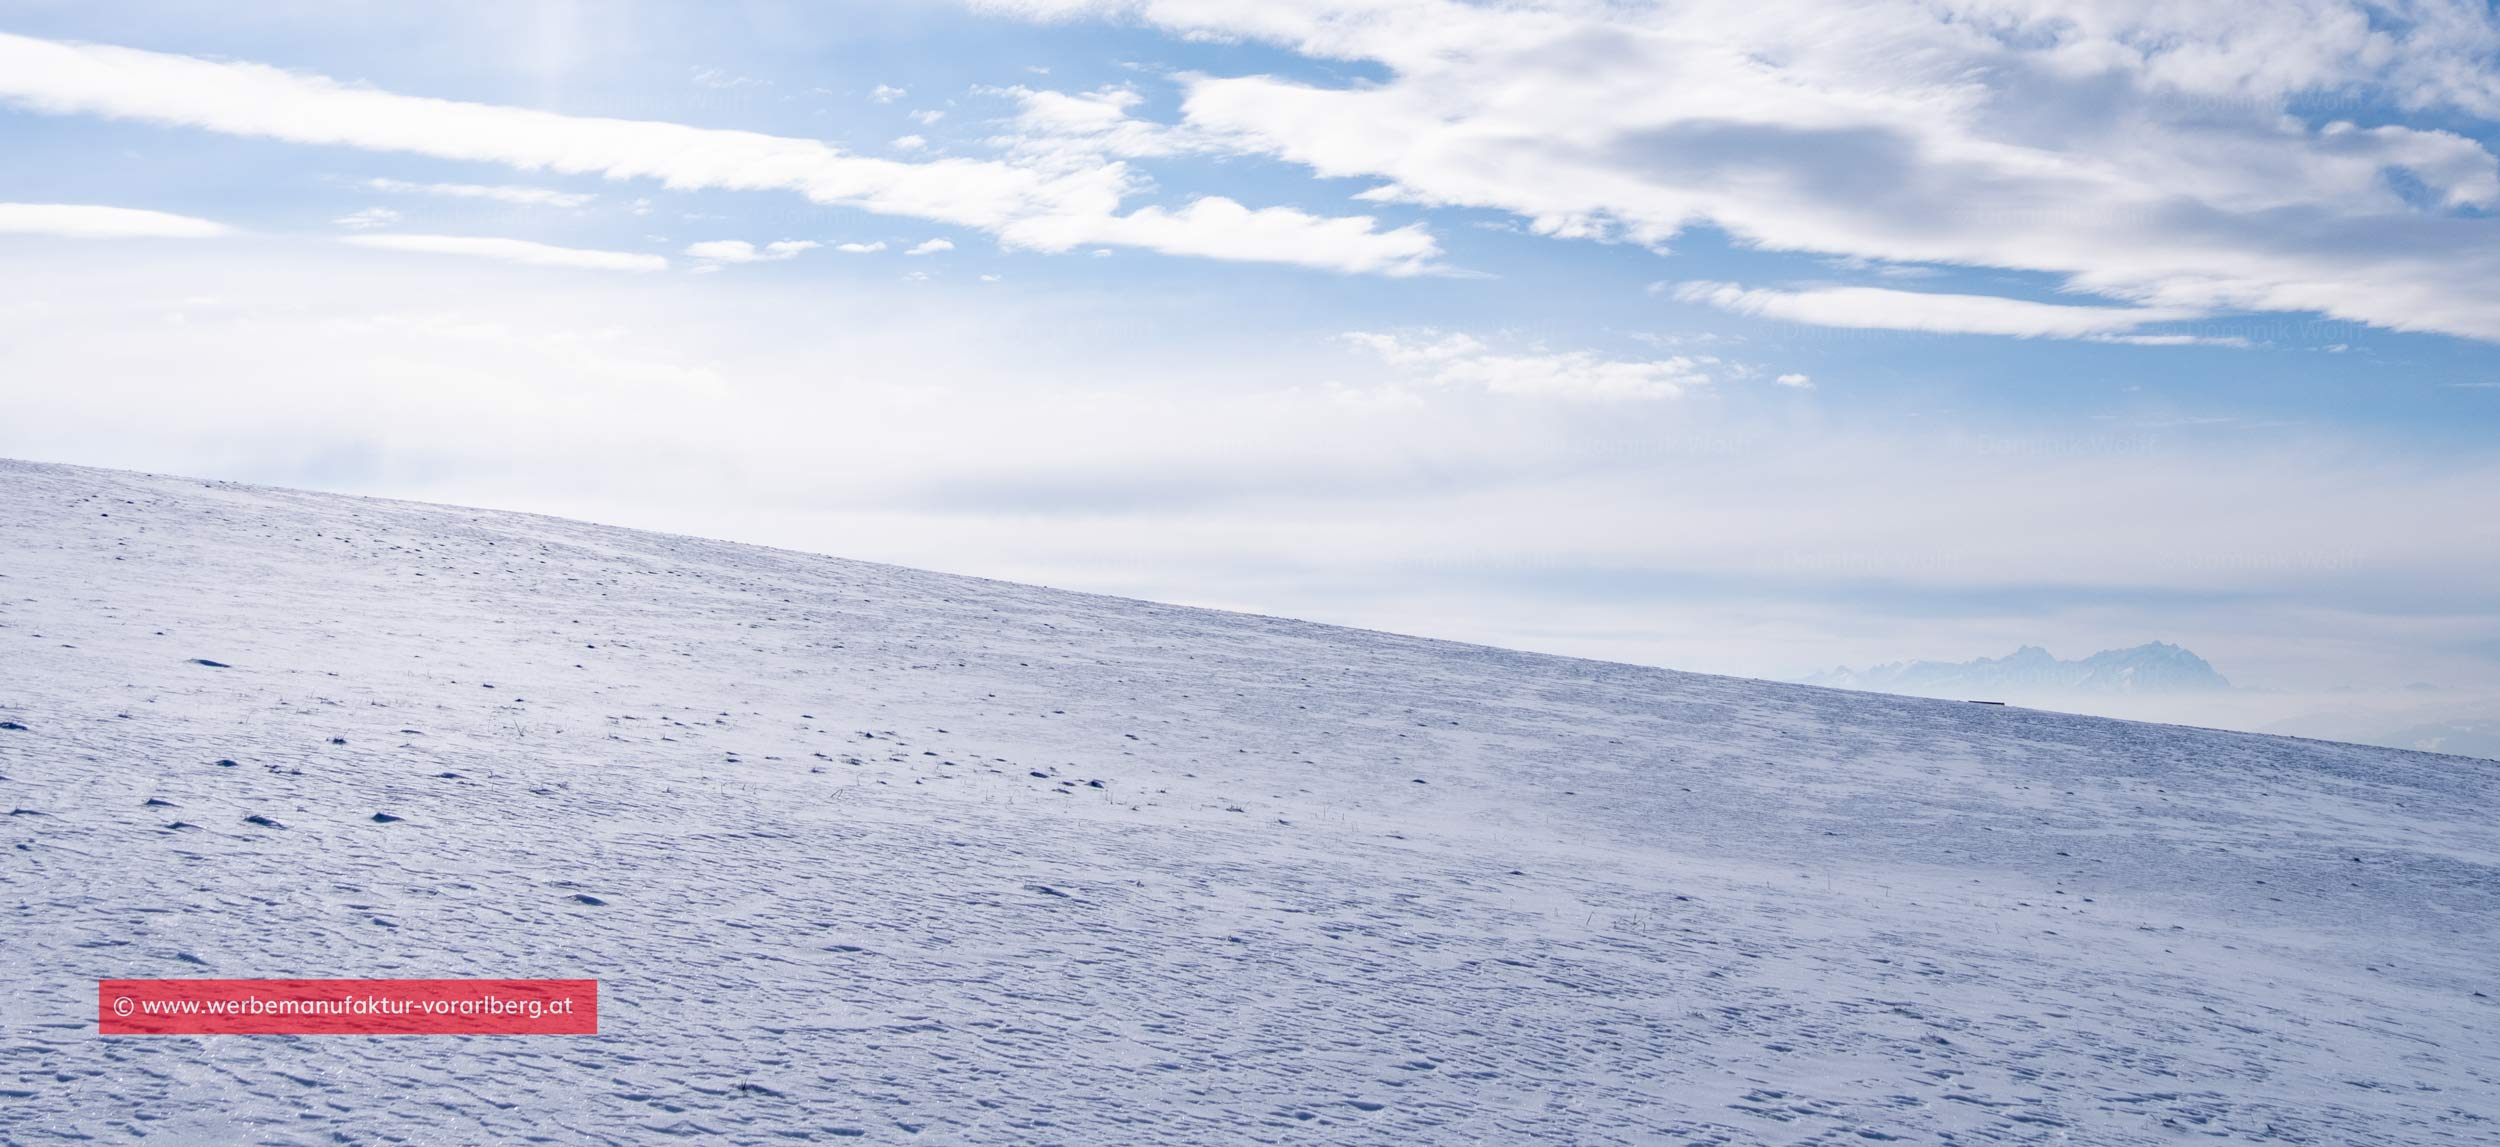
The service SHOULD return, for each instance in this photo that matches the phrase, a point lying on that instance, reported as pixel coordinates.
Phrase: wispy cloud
(1450, 359)
(860, 248)
(1045, 206)
(1881, 308)
(722, 78)
(369, 217)
(2233, 341)
(741, 251)
(931, 247)
(500, 193)
(513, 251)
(1219, 228)
(1069, 127)
(89, 221)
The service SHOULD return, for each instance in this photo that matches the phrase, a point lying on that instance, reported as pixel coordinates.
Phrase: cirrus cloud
(1453, 359)
(513, 251)
(90, 221)
(1049, 206)
(500, 193)
(1881, 308)
(741, 251)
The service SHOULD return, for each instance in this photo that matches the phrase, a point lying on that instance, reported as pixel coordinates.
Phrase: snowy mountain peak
(2154, 667)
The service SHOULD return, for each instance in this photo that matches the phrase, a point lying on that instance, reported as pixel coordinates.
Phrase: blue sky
(1730, 337)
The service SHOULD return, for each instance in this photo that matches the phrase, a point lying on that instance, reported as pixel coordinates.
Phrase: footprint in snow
(210, 664)
(386, 818)
(262, 821)
(586, 898)
(1045, 890)
(12, 726)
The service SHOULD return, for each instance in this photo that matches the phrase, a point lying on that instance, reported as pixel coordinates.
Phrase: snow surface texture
(855, 880)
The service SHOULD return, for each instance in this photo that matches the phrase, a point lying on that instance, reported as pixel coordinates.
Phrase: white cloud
(860, 248)
(720, 78)
(523, 196)
(741, 251)
(886, 94)
(1045, 206)
(1078, 127)
(2145, 153)
(931, 247)
(1220, 228)
(1881, 308)
(1462, 360)
(927, 116)
(2233, 341)
(1798, 381)
(513, 251)
(369, 217)
(88, 221)
(910, 142)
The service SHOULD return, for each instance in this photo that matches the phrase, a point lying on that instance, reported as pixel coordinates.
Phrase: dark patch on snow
(210, 664)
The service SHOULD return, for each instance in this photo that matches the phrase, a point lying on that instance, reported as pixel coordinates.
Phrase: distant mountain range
(2157, 667)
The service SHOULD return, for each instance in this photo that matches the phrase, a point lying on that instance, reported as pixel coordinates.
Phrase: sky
(1739, 338)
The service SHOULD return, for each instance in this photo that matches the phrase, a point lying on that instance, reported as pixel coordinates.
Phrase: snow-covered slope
(896, 857)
